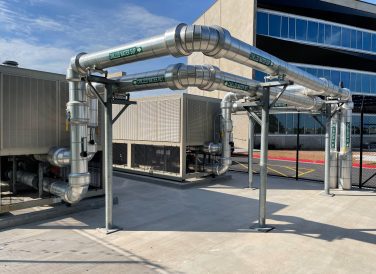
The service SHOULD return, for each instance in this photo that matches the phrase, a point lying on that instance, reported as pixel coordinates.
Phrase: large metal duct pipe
(345, 155)
(207, 77)
(77, 112)
(226, 130)
(334, 151)
(181, 76)
(213, 41)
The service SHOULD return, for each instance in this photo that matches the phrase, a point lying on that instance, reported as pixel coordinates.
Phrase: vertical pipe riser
(346, 146)
(334, 152)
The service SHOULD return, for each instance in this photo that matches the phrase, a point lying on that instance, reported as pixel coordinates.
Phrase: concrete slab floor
(204, 230)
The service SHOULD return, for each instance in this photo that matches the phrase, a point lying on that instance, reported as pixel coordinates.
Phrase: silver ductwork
(78, 117)
(208, 77)
(212, 148)
(183, 40)
(26, 178)
(334, 151)
(59, 156)
(213, 41)
(345, 154)
(226, 130)
(181, 76)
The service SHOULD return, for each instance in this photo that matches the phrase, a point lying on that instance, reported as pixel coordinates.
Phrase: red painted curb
(304, 161)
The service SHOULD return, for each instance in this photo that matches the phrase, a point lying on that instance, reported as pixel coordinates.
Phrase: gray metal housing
(32, 111)
(176, 120)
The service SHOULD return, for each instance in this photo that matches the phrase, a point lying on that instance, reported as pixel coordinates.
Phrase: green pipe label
(259, 59)
(125, 53)
(236, 85)
(348, 134)
(333, 137)
(148, 80)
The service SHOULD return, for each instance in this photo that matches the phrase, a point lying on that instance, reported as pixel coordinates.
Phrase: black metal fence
(300, 155)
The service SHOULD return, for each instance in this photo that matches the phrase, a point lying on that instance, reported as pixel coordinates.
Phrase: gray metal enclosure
(32, 111)
(154, 135)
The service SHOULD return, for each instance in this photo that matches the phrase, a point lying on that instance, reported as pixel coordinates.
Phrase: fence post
(361, 143)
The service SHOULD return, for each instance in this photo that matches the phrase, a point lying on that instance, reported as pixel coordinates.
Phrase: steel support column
(328, 114)
(251, 142)
(261, 225)
(107, 158)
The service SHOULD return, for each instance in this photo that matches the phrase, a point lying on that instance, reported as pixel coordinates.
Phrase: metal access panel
(157, 130)
(32, 111)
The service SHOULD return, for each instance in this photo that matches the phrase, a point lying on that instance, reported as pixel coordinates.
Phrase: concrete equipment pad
(204, 229)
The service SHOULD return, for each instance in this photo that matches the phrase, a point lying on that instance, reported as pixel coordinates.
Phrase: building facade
(327, 38)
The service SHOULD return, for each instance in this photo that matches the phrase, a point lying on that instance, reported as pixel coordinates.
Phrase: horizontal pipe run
(207, 77)
(212, 41)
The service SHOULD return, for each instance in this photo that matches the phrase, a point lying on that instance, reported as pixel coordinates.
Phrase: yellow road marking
(307, 172)
(242, 165)
(301, 173)
(276, 171)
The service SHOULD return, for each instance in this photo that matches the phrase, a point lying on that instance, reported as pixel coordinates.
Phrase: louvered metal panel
(32, 111)
(169, 120)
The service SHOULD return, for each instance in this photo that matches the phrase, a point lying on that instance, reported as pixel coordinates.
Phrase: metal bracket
(275, 84)
(318, 121)
(278, 96)
(120, 113)
(254, 116)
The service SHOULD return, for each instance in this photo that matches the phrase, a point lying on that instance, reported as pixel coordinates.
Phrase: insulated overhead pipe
(208, 77)
(183, 40)
(212, 41)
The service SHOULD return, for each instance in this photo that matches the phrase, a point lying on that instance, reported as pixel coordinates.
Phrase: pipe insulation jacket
(208, 77)
(213, 41)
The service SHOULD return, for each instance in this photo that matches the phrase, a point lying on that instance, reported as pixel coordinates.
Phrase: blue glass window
(374, 42)
(285, 27)
(353, 81)
(346, 37)
(345, 78)
(274, 25)
(313, 30)
(358, 82)
(301, 29)
(292, 28)
(320, 73)
(373, 84)
(262, 23)
(365, 83)
(359, 39)
(259, 76)
(336, 36)
(335, 77)
(312, 71)
(328, 34)
(353, 39)
(367, 41)
(321, 33)
(327, 74)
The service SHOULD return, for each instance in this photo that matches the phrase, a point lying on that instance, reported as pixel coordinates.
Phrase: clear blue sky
(44, 34)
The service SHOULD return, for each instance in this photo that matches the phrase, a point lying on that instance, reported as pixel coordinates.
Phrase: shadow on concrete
(321, 231)
(145, 207)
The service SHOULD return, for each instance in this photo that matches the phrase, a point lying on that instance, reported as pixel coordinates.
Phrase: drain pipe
(345, 155)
